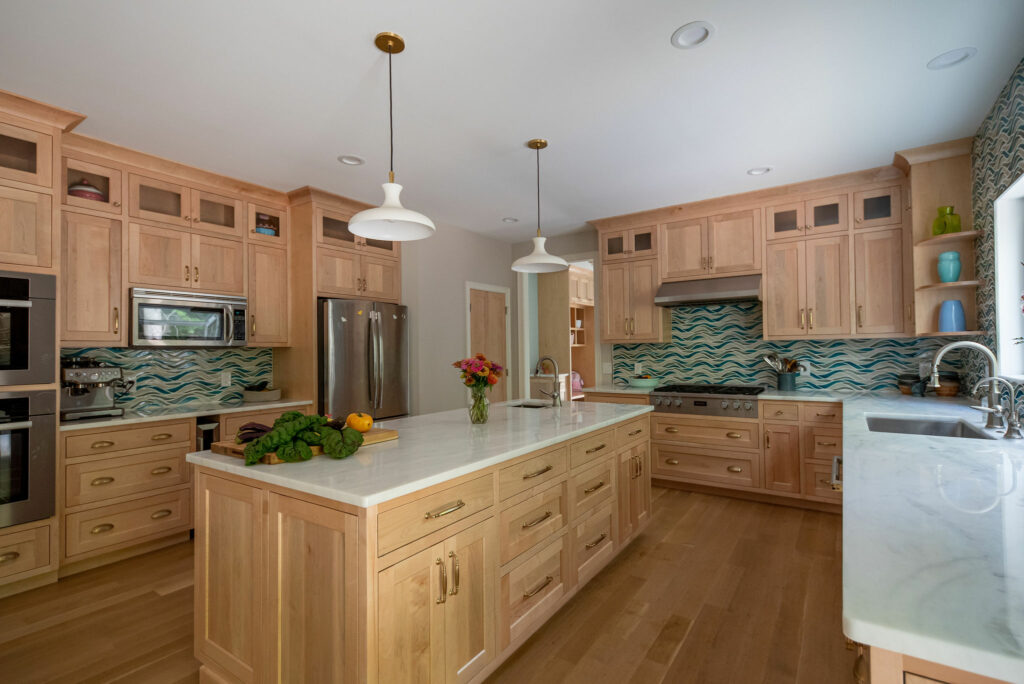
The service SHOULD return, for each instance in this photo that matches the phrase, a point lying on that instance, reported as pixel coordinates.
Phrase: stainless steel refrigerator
(364, 358)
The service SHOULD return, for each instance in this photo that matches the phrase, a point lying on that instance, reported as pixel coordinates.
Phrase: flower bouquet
(479, 375)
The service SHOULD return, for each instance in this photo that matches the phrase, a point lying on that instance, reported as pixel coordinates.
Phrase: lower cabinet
(25, 553)
(531, 588)
(634, 490)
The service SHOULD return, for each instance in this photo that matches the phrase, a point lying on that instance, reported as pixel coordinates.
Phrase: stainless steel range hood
(725, 289)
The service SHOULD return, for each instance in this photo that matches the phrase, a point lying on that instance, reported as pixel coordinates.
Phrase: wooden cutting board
(229, 448)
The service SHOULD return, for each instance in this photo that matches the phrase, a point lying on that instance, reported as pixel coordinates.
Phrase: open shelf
(946, 238)
(965, 333)
(950, 286)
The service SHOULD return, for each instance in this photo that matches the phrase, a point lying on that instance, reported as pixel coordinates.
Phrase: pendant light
(391, 221)
(539, 261)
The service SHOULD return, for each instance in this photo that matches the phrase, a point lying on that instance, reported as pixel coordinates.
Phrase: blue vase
(951, 316)
(949, 267)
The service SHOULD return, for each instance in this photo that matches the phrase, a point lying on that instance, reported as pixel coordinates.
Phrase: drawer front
(633, 431)
(530, 588)
(110, 478)
(24, 551)
(815, 412)
(532, 521)
(817, 481)
(704, 466)
(230, 422)
(120, 524)
(128, 438)
(593, 543)
(780, 410)
(409, 522)
(546, 466)
(822, 442)
(586, 449)
(592, 487)
(726, 434)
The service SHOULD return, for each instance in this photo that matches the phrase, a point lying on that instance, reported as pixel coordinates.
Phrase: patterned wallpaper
(184, 376)
(719, 343)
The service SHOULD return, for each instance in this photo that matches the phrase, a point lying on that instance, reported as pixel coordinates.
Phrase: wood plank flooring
(715, 590)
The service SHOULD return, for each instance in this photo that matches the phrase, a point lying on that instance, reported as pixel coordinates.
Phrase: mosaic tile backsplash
(721, 343)
(185, 376)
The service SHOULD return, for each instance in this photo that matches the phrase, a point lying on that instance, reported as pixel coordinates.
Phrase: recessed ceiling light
(692, 35)
(758, 170)
(952, 58)
(510, 219)
(351, 160)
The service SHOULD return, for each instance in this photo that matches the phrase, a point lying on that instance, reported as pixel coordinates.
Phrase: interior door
(469, 616)
(615, 302)
(91, 308)
(218, 265)
(828, 286)
(734, 242)
(785, 290)
(645, 315)
(878, 281)
(488, 321)
(684, 249)
(159, 256)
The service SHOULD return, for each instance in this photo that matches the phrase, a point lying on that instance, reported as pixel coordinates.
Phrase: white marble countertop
(933, 539)
(617, 389)
(170, 413)
(430, 449)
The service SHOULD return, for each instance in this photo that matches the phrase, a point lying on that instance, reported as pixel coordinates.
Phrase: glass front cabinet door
(91, 186)
(268, 224)
(159, 200)
(629, 244)
(216, 213)
(873, 208)
(827, 215)
(785, 221)
(26, 155)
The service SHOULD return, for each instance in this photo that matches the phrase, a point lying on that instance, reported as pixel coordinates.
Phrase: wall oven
(28, 328)
(166, 318)
(28, 456)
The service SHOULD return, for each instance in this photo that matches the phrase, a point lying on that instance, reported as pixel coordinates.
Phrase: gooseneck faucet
(556, 393)
(995, 417)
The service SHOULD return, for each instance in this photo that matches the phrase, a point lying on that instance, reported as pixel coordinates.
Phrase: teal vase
(949, 267)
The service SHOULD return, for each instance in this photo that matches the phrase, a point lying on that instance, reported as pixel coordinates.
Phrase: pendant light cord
(538, 192)
(391, 122)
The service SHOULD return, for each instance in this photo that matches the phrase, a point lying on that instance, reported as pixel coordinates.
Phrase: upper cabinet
(581, 286)
(88, 185)
(807, 218)
(878, 281)
(268, 224)
(683, 252)
(629, 244)
(807, 289)
(726, 244)
(25, 228)
(179, 205)
(268, 296)
(874, 208)
(332, 230)
(216, 213)
(92, 308)
(165, 257)
(26, 155)
(628, 311)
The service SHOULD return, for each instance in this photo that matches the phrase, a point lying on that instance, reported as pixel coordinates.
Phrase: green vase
(946, 222)
(478, 409)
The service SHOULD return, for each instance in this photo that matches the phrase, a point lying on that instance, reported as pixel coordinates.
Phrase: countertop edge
(69, 426)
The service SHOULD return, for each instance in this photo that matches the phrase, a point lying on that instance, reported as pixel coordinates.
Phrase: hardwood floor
(715, 590)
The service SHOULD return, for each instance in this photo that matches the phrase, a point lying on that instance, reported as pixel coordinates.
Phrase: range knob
(656, 401)
(94, 376)
(678, 402)
(736, 404)
(725, 404)
(747, 406)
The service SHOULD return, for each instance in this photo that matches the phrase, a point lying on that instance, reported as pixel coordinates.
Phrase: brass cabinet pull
(596, 449)
(711, 263)
(671, 430)
(825, 415)
(117, 320)
(188, 218)
(100, 481)
(767, 440)
(734, 469)
(625, 325)
(733, 435)
(100, 529)
(538, 473)
(161, 436)
(455, 573)
(860, 315)
(254, 325)
(444, 510)
(162, 513)
(810, 319)
(594, 488)
(672, 461)
(538, 521)
(859, 220)
(9, 557)
(117, 204)
(102, 444)
(803, 318)
(704, 263)
(187, 273)
(160, 470)
(596, 541)
(827, 443)
(780, 412)
(636, 432)
(195, 274)
(443, 579)
(533, 592)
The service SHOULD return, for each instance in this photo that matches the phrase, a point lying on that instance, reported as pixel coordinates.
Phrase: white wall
(434, 276)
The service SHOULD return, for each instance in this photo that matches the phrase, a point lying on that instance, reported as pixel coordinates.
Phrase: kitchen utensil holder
(787, 382)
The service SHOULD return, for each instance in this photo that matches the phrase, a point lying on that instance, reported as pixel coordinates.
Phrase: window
(1009, 279)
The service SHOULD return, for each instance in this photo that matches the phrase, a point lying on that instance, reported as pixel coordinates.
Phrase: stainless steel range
(739, 401)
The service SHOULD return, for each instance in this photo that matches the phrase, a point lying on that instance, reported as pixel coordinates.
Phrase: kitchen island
(429, 558)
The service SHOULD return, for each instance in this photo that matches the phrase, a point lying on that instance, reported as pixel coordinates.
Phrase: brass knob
(117, 204)
(188, 218)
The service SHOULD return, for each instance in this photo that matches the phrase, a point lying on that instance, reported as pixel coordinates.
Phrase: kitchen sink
(936, 427)
(530, 404)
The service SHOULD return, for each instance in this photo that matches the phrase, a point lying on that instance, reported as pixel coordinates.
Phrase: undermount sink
(936, 427)
(530, 404)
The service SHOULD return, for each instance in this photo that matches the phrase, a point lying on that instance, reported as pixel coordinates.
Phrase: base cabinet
(634, 490)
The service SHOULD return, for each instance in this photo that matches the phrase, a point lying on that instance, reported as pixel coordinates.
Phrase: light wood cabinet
(880, 207)
(615, 283)
(878, 281)
(174, 203)
(683, 252)
(169, 257)
(581, 287)
(629, 244)
(25, 228)
(807, 290)
(268, 296)
(217, 213)
(218, 265)
(92, 308)
(105, 178)
(26, 156)
(628, 312)
(348, 274)
(785, 220)
(268, 224)
(726, 244)
(24, 553)
(381, 278)
(785, 290)
(827, 215)
(331, 229)
(782, 457)
(634, 490)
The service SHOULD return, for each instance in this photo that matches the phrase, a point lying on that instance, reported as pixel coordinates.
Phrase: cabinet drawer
(593, 543)
(729, 434)
(780, 410)
(546, 466)
(633, 431)
(822, 443)
(230, 422)
(592, 487)
(817, 481)
(815, 412)
(706, 466)
(533, 586)
(21, 552)
(409, 522)
(129, 438)
(532, 521)
(133, 521)
(110, 478)
(586, 449)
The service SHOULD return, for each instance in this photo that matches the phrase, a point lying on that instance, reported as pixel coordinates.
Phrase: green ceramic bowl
(644, 382)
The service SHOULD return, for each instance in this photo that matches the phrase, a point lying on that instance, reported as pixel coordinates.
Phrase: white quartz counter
(430, 449)
(172, 412)
(933, 539)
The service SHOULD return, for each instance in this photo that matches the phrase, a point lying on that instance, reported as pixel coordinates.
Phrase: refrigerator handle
(375, 369)
(380, 363)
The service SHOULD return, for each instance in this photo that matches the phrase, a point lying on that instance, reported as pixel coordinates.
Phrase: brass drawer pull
(443, 579)
(636, 432)
(187, 272)
(672, 430)
(538, 473)
(825, 415)
(538, 521)
(596, 449)
(100, 529)
(533, 592)
(161, 436)
(836, 487)
(162, 513)
(596, 541)
(672, 461)
(780, 412)
(100, 481)
(733, 435)
(102, 444)
(160, 470)
(117, 320)
(594, 488)
(444, 510)
(735, 469)
(9, 557)
(827, 443)
(455, 573)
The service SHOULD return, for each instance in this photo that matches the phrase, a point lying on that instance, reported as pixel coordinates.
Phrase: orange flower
(492, 379)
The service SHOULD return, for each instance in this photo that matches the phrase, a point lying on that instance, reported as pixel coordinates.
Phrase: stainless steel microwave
(167, 318)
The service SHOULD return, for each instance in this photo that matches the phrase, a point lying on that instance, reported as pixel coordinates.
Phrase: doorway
(487, 329)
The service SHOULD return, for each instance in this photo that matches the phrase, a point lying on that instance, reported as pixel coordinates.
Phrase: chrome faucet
(995, 416)
(556, 394)
(1011, 416)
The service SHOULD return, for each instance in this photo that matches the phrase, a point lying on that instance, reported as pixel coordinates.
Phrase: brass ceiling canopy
(537, 144)
(388, 42)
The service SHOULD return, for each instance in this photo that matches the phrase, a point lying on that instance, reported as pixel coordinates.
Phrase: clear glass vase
(478, 408)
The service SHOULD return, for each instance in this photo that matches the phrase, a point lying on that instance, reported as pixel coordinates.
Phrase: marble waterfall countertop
(193, 410)
(430, 449)
(933, 539)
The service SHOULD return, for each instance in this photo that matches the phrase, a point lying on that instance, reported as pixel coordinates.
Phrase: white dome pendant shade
(391, 221)
(539, 261)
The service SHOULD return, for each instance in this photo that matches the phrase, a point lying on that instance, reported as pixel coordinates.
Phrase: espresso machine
(89, 389)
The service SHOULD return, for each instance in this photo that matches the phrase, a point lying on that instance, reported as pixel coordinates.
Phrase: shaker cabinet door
(469, 619)
(91, 307)
(785, 308)
(828, 286)
(159, 256)
(25, 230)
(218, 265)
(268, 296)
(878, 281)
(645, 315)
(734, 242)
(615, 283)
(684, 249)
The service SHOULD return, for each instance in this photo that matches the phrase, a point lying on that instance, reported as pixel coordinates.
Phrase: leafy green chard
(282, 436)
(340, 443)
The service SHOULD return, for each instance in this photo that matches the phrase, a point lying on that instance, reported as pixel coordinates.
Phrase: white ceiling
(273, 91)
